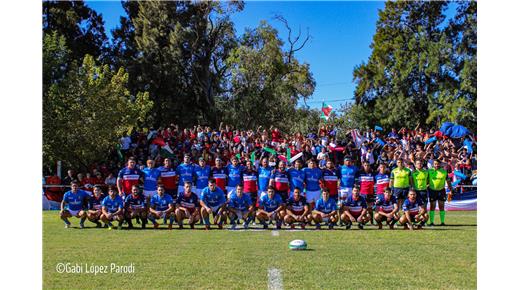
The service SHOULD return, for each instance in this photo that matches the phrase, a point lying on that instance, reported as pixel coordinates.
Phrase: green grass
(439, 257)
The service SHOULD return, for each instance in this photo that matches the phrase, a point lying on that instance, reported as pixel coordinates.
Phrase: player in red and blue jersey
(201, 173)
(330, 179)
(151, 175)
(355, 210)
(234, 171)
(366, 187)
(135, 207)
(280, 181)
(168, 178)
(220, 174)
(296, 176)
(188, 207)
(264, 176)
(382, 181)
(250, 177)
(185, 171)
(74, 205)
(213, 201)
(112, 208)
(349, 173)
(94, 206)
(297, 210)
(240, 206)
(270, 208)
(162, 206)
(414, 211)
(312, 183)
(387, 209)
(128, 176)
(325, 210)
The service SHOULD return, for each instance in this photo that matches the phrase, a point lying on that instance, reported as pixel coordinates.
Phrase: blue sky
(341, 34)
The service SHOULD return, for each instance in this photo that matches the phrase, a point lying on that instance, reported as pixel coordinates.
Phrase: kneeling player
(73, 205)
(240, 206)
(94, 206)
(414, 211)
(135, 207)
(297, 210)
(161, 207)
(213, 201)
(386, 209)
(355, 210)
(270, 208)
(188, 207)
(325, 210)
(112, 208)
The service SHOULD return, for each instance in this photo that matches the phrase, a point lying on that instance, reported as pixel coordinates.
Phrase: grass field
(438, 257)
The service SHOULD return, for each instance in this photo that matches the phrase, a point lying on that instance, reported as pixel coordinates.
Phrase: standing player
(280, 181)
(366, 188)
(112, 208)
(437, 180)
(188, 207)
(312, 183)
(325, 210)
(128, 176)
(250, 177)
(201, 174)
(296, 176)
(94, 206)
(151, 175)
(420, 181)
(161, 207)
(185, 171)
(355, 210)
(349, 174)
(220, 174)
(270, 208)
(73, 205)
(414, 211)
(387, 209)
(330, 179)
(264, 176)
(234, 175)
(213, 201)
(168, 178)
(297, 210)
(382, 181)
(240, 206)
(135, 207)
(400, 181)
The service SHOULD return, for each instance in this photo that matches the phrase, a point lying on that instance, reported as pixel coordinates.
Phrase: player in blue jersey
(234, 175)
(94, 206)
(414, 211)
(185, 171)
(264, 176)
(297, 210)
(325, 210)
(188, 207)
(151, 175)
(112, 208)
(355, 210)
(270, 209)
(135, 207)
(349, 174)
(240, 207)
(162, 206)
(296, 176)
(201, 174)
(386, 209)
(74, 204)
(213, 201)
(312, 183)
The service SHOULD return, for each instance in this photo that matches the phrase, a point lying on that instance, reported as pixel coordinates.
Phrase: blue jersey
(190, 203)
(385, 205)
(312, 179)
(326, 206)
(234, 175)
(75, 201)
(213, 198)
(201, 176)
(269, 204)
(348, 176)
(112, 205)
(356, 206)
(185, 173)
(240, 203)
(264, 175)
(412, 207)
(161, 203)
(95, 203)
(135, 201)
(296, 178)
(150, 178)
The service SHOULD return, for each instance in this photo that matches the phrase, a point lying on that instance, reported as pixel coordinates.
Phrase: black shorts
(283, 195)
(171, 192)
(253, 196)
(423, 194)
(400, 193)
(370, 198)
(437, 195)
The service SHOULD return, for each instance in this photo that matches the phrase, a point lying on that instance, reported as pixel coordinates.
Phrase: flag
(288, 153)
(296, 157)
(378, 128)
(253, 156)
(325, 111)
(119, 153)
(269, 150)
(380, 141)
(165, 148)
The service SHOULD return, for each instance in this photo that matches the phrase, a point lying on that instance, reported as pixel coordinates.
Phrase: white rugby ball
(298, 245)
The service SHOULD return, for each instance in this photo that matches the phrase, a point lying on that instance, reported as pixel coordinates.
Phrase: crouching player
(270, 208)
(387, 209)
(240, 206)
(73, 205)
(112, 209)
(213, 201)
(94, 206)
(188, 207)
(297, 210)
(135, 207)
(325, 210)
(414, 211)
(161, 207)
(355, 210)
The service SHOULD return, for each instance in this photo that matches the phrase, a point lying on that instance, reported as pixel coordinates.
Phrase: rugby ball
(298, 245)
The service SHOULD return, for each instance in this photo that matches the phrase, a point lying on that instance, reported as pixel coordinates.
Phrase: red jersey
(281, 180)
(250, 181)
(168, 177)
(366, 183)
(330, 181)
(130, 177)
(220, 175)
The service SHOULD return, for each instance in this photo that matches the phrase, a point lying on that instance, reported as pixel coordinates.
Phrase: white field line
(274, 279)
(275, 233)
